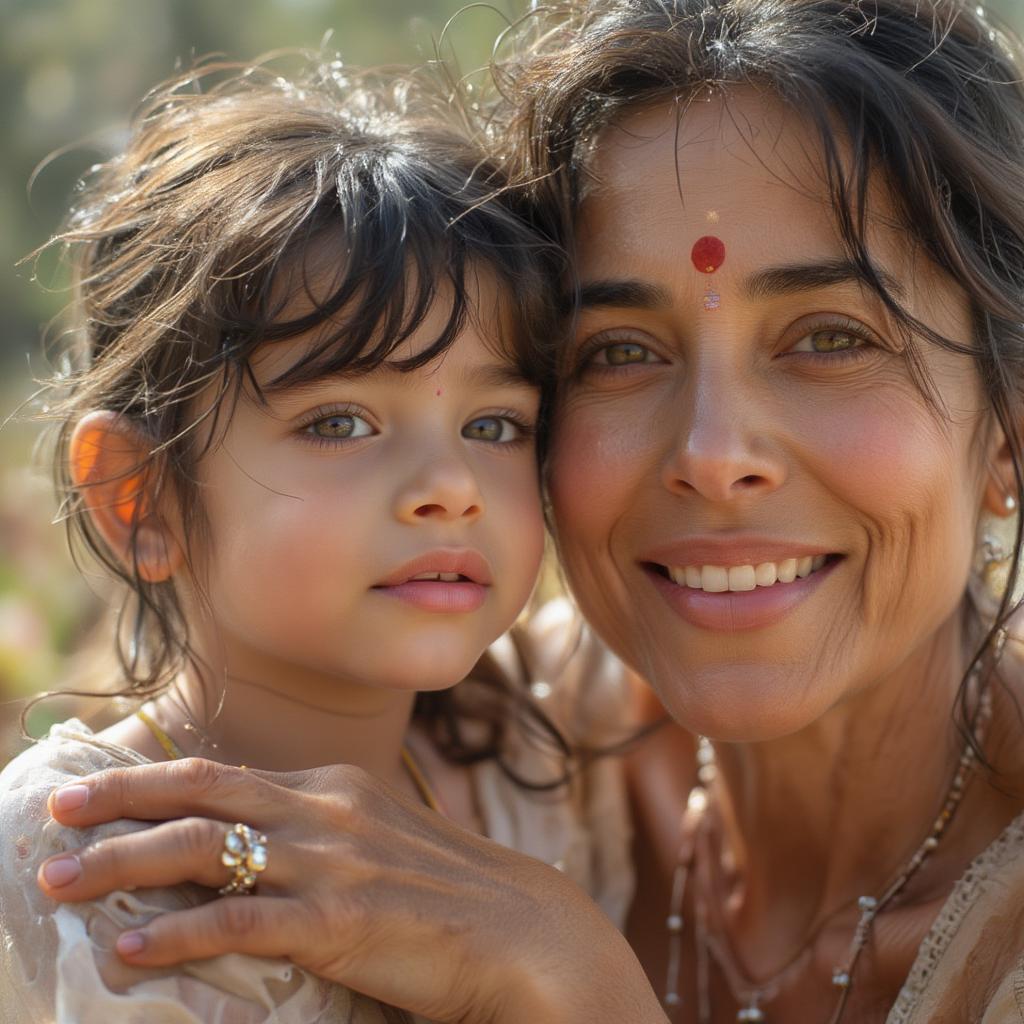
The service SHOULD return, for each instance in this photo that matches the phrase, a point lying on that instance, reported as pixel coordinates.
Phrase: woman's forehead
(744, 168)
(746, 172)
(736, 154)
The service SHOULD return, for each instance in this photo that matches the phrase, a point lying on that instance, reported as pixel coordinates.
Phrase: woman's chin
(742, 706)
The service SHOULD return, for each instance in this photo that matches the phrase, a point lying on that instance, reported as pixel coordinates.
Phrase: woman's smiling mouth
(719, 579)
(750, 590)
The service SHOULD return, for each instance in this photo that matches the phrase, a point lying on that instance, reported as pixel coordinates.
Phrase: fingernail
(70, 798)
(131, 943)
(61, 871)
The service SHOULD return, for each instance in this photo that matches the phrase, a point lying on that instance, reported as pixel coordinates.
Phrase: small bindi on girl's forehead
(708, 254)
(438, 392)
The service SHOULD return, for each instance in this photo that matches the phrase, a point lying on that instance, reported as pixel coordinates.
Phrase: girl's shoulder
(57, 961)
(67, 752)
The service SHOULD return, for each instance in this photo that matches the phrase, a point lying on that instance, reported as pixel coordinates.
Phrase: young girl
(300, 430)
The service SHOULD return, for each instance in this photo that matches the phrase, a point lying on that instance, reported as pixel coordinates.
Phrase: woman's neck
(813, 821)
(807, 824)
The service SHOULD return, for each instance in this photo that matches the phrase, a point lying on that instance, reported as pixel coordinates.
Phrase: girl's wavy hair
(926, 94)
(232, 176)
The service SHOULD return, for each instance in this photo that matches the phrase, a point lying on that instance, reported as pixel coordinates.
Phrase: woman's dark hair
(925, 94)
(233, 179)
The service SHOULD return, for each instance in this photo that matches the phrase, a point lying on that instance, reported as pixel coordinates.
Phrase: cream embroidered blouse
(57, 962)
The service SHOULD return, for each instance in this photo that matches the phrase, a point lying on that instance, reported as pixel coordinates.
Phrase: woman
(790, 416)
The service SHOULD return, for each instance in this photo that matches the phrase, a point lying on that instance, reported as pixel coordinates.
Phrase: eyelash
(527, 430)
(585, 363)
(324, 413)
(849, 355)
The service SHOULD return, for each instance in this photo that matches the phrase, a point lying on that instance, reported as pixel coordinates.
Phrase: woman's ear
(108, 462)
(1000, 495)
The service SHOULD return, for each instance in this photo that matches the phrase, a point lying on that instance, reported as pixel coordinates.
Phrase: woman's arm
(363, 888)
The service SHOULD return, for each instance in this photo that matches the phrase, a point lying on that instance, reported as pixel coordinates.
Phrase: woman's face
(720, 425)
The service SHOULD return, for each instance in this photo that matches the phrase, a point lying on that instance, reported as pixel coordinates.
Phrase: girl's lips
(438, 595)
(732, 611)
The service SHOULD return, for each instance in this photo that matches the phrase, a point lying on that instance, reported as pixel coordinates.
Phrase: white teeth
(717, 579)
(787, 570)
(449, 577)
(442, 577)
(714, 579)
(742, 577)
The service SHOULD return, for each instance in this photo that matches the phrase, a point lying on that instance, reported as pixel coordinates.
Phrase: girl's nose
(444, 489)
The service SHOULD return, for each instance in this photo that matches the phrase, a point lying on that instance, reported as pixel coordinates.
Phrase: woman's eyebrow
(770, 282)
(624, 293)
(799, 277)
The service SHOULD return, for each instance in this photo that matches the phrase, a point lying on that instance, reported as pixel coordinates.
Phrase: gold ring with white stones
(245, 853)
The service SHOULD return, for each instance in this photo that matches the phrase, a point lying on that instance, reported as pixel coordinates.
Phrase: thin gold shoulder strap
(171, 748)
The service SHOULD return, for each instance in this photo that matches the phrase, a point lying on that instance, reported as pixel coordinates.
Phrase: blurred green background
(69, 72)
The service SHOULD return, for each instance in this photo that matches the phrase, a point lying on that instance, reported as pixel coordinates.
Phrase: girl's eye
(623, 353)
(830, 339)
(497, 429)
(340, 427)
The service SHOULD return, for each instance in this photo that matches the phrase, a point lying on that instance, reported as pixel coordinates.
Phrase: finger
(258, 926)
(188, 850)
(168, 789)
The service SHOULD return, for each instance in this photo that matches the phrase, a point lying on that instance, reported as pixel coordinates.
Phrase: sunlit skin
(786, 418)
(780, 416)
(315, 497)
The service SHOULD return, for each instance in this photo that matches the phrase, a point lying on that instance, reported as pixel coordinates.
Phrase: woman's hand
(362, 887)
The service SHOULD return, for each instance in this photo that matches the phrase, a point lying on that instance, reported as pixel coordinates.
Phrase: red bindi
(708, 254)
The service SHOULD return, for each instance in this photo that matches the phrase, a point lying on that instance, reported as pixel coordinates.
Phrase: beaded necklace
(752, 997)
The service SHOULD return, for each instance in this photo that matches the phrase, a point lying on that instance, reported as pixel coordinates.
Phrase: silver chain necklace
(752, 997)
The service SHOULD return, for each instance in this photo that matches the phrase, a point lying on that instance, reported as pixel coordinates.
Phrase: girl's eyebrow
(482, 375)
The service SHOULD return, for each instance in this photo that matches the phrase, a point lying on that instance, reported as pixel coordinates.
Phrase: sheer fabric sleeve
(57, 962)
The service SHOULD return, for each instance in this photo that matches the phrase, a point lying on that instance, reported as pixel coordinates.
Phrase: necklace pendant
(751, 1013)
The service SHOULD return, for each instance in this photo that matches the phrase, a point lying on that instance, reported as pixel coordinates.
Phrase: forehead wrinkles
(754, 138)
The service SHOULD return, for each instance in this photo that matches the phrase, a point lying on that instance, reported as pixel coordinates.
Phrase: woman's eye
(623, 353)
(829, 339)
(340, 427)
(492, 428)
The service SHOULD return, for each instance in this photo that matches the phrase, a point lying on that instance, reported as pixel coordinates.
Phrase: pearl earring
(1010, 503)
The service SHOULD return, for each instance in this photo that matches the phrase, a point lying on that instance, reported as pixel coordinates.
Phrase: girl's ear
(107, 460)
(1000, 495)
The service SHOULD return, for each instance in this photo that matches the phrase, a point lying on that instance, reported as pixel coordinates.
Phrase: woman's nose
(721, 448)
(440, 489)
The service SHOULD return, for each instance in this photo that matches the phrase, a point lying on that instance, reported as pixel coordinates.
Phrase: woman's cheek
(882, 453)
(597, 459)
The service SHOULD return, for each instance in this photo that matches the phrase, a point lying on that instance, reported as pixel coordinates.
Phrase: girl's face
(738, 413)
(380, 529)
